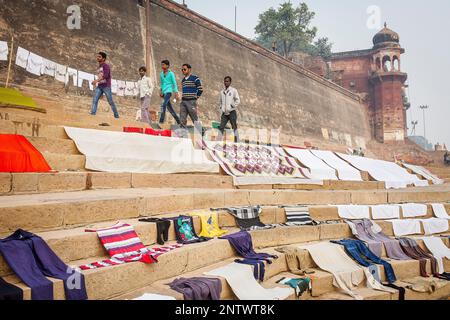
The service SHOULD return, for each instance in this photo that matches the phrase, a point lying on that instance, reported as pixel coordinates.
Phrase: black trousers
(232, 117)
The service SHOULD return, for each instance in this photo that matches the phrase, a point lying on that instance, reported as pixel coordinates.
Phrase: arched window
(378, 63)
(396, 63)
(387, 65)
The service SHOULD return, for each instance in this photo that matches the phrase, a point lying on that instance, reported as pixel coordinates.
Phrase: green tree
(321, 48)
(288, 27)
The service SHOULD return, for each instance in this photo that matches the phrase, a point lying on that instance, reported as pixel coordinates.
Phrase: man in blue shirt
(192, 90)
(168, 86)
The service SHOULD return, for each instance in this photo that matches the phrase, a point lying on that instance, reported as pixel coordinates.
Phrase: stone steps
(51, 211)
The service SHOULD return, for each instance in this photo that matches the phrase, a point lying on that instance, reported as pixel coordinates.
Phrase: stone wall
(275, 93)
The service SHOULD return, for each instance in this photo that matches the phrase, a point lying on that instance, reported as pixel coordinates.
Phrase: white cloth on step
(412, 210)
(318, 168)
(439, 250)
(439, 211)
(48, 67)
(22, 57)
(385, 211)
(60, 74)
(347, 274)
(244, 285)
(34, 64)
(154, 296)
(424, 173)
(85, 76)
(4, 51)
(405, 227)
(113, 151)
(345, 171)
(353, 212)
(434, 225)
(72, 73)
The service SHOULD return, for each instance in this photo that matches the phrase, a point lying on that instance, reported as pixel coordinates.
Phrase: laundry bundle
(412, 249)
(243, 244)
(297, 216)
(123, 246)
(198, 288)
(162, 228)
(185, 231)
(210, 224)
(247, 218)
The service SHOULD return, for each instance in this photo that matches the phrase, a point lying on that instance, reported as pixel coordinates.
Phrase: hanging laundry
(298, 216)
(121, 87)
(210, 225)
(48, 67)
(9, 291)
(412, 210)
(85, 76)
(4, 51)
(242, 242)
(114, 86)
(353, 212)
(411, 248)
(162, 229)
(440, 211)
(60, 73)
(17, 154)
(129, 88)
(154, 296)
(72, 73)
(32, 260)
(185, 231)
(259, 268)
(22, 57)
(439, 250)
(434, 225)
(384, 211)
(241, 280)
(405, 227)
(247, 218)
(198, 288)
(34, 64)
(300, 285)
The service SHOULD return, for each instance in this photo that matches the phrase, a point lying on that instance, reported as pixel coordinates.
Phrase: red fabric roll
(163, 133)
(133, 129)
(17, 154)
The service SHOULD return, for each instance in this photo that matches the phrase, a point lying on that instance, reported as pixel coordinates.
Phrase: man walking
(228, 102)
(192, 90)
(103, 84)
(145, 86)
(168, 86)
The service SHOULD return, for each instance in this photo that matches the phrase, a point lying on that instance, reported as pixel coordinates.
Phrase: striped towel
(250, 212)
(123, 245)
(298, 216)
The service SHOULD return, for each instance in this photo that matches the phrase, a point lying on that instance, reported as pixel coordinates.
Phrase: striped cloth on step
(298, 216)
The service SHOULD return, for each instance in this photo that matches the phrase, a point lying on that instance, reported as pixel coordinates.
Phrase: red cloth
(163, 133)
(17, 154)
(133, 129)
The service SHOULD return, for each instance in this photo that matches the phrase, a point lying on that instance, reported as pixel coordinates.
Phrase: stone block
(25, 182)
(106, 180)
(62, 181)
(5, 183)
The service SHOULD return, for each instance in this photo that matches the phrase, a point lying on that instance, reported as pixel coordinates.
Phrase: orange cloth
(17, 154)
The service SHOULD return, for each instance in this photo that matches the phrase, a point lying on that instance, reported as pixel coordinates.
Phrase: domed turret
(386, 38)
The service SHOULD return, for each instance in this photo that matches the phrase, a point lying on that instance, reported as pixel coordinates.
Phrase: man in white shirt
(228, 102)
(145, 86)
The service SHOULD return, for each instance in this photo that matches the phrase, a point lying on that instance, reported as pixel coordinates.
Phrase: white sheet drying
(121, 87)
(384, 211)
(22, 57)
(34, 64)
(405, 227)
(249, 180)
(353, 212)
(345, 171)
(412, 210)
(434, 225)
(4, 51)
(48, 68)
(439, 211)
(72, 73)
(112, 151)
(439, 250)
(424, 173)
(60, 74)
(242, 281)
(89, 77)
(318, 168)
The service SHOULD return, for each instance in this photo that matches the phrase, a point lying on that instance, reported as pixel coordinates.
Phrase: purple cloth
(375, 240)
(32, 260)
(198, 288)
(242, 242)
(104, 71)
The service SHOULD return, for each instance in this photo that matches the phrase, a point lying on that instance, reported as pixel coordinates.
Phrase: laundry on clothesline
(4, 51)
(48, 67)
(34, 64)
(60, 73)
(82, 76)
(22, 57)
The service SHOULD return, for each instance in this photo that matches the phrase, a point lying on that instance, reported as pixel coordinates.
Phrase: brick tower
(376, 75)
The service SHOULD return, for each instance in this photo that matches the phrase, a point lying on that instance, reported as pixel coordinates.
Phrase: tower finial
(385, 24)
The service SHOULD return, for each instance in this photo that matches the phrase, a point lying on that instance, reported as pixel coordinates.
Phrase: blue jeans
(359, 251)
(97, 94)
(167, 105)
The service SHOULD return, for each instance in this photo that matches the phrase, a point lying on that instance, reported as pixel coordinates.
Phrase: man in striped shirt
(192, 90)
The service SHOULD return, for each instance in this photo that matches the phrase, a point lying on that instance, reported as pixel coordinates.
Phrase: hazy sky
(422, 26)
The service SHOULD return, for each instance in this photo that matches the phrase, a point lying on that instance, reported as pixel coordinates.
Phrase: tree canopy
(289, 29)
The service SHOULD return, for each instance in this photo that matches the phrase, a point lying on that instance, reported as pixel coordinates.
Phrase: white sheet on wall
(121, 87)
(112, 151)
(48, 68)
(129, 88)
(89, 77)
(114, 86)
(4, 51)
(72, 73)
(34, 64)
(345, 171)
(60, 74)
(22, 57)
(318, 168)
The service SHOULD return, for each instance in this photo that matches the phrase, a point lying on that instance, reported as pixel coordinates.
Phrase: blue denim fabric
(358, 250)
(97, 94)
(167, 105)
